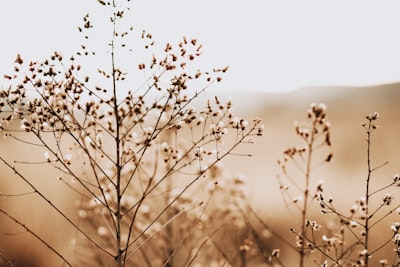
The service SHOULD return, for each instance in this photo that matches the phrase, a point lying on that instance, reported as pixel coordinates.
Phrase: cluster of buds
(387, 199)
(218, 131)
(170, 153)
(313, 225)
(371, 118)
(359, 209)
(317, 111)
(317, 115)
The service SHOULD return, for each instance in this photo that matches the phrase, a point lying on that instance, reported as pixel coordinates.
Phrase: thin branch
(16, 195)
(202, 245)
(54, 206)
(36, 236)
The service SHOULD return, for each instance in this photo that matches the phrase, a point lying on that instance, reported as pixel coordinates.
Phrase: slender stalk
(169, 228)
(306, 194)
(37, 237)
(6, 260)
(66, 217)
(367, 189)
(118, 212)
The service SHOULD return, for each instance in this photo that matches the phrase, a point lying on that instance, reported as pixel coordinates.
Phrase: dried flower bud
(19, 60)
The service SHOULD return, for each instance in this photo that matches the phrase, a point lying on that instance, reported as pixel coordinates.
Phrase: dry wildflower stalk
(301, 161)
(132, 157)
(364, 217)
(350, 243)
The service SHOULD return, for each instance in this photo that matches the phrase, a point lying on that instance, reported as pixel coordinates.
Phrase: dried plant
(300, 162)
(137, 159)
(350, 242)
(353, 243)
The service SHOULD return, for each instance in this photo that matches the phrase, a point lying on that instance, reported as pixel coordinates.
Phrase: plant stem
(366, 225)
(306, 194)
(118, 213)
(170, 214)
(36, 236)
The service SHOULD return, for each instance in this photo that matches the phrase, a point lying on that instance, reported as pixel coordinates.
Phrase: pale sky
(269, 45)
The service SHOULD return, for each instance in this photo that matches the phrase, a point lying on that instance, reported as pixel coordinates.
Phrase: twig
(36, 236)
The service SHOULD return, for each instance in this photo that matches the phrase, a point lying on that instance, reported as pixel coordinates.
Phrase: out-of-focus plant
(349, 242)
(133, 156)
(353, 242)
(295, 179)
